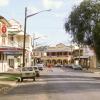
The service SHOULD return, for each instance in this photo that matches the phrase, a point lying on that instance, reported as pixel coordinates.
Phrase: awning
(13, 53)
(10, 49)
(81, 57)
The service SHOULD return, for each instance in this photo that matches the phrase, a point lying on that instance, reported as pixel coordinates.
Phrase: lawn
(9, 76)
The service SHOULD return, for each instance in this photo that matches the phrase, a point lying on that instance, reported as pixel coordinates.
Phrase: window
(0, 56)
(3, 40)
(11, 38)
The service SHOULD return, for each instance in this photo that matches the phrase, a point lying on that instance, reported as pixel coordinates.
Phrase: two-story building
(4, 25)
(60, 54)
(11, 45)
(85, 57)
(16, 38)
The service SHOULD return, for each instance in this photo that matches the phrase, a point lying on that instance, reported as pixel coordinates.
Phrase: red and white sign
(4, 28)
(0, 27)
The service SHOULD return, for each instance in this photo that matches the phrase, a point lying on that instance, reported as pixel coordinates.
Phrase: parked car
(40, 66)
(36, 71)
(68, 65)
(58, 65)
(76, 67)
(85, 67)
(28, 73)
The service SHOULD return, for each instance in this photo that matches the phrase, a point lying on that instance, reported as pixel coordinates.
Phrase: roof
(81, 57)
(59, 49)
(9, 49)
(3, 20)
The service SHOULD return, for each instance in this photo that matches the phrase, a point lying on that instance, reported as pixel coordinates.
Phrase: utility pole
(33, 50)
(25, 23)
(79, 52)
(34, 38)
(24, 50)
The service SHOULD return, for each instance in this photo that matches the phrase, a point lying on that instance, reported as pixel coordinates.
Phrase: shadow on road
(67, 76)
(58, 84)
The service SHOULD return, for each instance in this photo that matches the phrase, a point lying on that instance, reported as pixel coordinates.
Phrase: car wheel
(21, 79)
(38, 75)
(33, 78)
(18, 80)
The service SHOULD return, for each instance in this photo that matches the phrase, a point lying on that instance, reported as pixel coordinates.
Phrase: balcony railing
(18, 45)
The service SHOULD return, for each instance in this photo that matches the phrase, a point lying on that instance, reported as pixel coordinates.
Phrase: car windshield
(77, 66)
(27, 69)
(40, 65)
(35, 68)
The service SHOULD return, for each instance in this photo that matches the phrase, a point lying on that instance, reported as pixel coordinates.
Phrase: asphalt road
(59, 84)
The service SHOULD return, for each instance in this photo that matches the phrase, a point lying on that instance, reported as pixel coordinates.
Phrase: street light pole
(25, 23)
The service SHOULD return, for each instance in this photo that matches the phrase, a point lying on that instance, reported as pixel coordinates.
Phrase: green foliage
(82, 23)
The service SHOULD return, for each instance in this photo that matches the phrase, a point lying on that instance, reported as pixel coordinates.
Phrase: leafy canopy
(84, 24)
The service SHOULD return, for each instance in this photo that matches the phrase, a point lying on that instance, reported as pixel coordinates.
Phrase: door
(11, 63)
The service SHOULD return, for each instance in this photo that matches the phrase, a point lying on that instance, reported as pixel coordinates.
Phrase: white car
(28, 73)
(40, 66)
(77, 67)
(36, 71)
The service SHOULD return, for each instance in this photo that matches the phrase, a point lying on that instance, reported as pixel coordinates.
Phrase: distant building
(60, 54)
(38, 54)
(85, 57)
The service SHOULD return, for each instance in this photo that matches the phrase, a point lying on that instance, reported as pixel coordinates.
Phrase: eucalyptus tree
(84, 24)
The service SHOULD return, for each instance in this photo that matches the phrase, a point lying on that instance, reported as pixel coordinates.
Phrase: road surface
(59, 84)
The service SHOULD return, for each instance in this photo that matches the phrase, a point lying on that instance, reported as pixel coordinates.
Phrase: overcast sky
(47, 24)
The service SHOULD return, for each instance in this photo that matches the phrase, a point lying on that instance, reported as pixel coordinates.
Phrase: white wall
(4, 66)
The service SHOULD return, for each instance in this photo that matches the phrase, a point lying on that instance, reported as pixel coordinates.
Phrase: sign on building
(3, 29)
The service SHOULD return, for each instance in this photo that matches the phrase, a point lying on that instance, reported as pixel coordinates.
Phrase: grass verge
(9, 76)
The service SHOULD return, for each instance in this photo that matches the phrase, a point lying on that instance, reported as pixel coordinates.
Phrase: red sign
(4, 28)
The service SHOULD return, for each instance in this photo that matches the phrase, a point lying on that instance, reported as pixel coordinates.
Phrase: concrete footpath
(5, 86)
(96, 70)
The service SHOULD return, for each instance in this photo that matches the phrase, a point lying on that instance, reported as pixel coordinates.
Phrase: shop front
(10, 57)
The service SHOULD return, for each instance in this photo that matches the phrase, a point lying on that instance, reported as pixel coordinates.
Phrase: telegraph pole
(24, 50)
(25, 23)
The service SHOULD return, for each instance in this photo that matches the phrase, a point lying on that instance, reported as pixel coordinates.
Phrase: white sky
(48, 24)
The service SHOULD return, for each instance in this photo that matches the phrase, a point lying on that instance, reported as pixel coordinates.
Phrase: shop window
(0, 56)
(3, 40)
(53, 53)
(11, 38)
(48, 54)
(18, 59)
(69, 53)
(6, 57)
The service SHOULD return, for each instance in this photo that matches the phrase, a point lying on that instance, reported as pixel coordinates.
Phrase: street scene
(49, 50)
